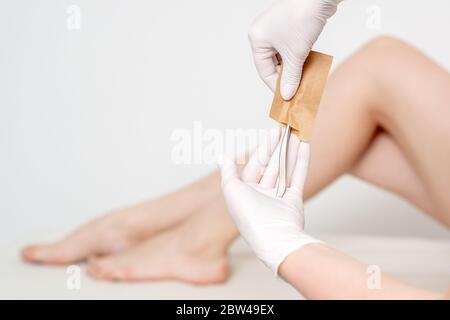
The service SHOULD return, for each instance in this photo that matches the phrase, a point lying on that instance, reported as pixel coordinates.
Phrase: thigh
(386, 166)
(389, 87)
(343, 128)
(414, 108)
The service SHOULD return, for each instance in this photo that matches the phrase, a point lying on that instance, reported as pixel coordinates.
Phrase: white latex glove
(272, 226)
(289, 28)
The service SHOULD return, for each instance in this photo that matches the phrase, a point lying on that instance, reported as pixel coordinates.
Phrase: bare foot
(125, 228)
(195, 251)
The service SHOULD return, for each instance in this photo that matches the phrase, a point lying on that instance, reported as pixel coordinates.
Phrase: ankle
(209, 232)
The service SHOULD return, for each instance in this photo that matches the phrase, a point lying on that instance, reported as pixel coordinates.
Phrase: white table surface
(422, 262)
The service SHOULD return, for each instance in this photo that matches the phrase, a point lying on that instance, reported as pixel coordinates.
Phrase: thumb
(228, 170)
(290, 78)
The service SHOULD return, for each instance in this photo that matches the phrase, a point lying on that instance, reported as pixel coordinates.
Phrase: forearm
(320, 272)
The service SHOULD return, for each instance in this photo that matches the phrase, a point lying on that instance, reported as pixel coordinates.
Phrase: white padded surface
(423, 262)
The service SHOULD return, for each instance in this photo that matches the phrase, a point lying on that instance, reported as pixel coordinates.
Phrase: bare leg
(354, 132)
(124, 228)
(387, 108)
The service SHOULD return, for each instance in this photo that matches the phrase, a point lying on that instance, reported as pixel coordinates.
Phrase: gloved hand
(288, 28)
(272, 226)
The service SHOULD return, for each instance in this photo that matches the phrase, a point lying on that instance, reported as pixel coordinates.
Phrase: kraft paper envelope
(301, 110)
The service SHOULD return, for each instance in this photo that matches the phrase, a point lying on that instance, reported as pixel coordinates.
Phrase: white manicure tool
(282, 160)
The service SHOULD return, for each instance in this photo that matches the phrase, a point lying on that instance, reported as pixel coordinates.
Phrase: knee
(382, 53)
(369, 58)
(370, 68)
(383, 43)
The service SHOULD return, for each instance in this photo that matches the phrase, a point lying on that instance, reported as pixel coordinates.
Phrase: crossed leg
(383, 118)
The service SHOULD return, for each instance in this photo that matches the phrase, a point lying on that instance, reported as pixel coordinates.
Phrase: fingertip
(288, 91)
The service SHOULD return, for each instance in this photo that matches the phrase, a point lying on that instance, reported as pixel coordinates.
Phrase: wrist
(293, 263)
(287, 246)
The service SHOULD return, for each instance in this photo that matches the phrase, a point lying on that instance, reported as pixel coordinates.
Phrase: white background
(86, 115)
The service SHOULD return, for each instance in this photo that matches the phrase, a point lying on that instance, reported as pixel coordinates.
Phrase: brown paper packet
(301, 110)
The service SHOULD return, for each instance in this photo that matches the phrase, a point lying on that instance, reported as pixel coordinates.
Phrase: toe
(63, 252)
(119, 267)
(95, 267)
(103, 268)
(33, 253)
(41, 253)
